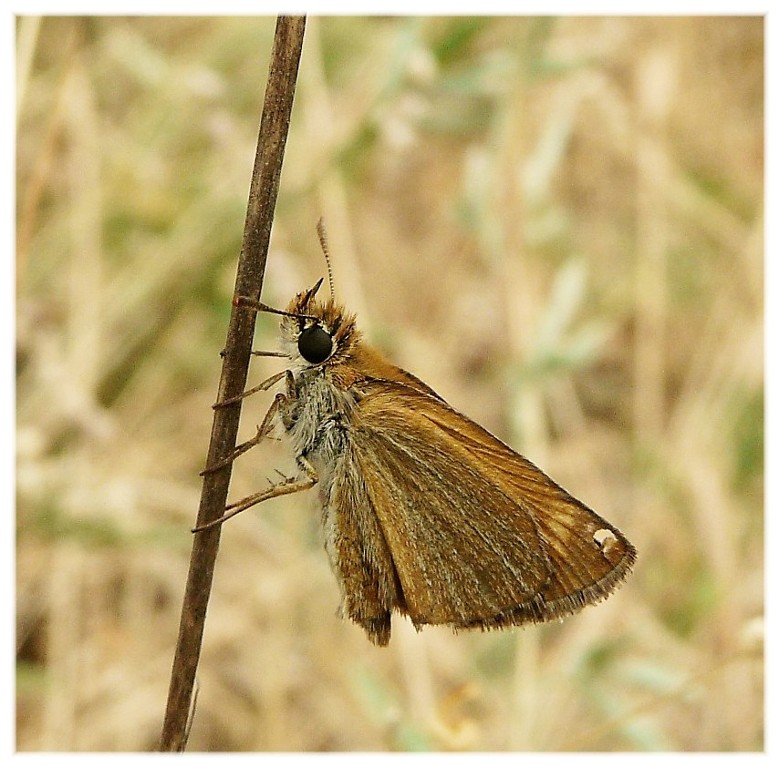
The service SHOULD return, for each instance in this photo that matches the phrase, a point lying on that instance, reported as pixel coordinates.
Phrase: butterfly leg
(283, 405)
(264, 386)
(262, 431)
(288, 486)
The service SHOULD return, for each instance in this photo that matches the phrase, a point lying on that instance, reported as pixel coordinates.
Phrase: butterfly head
(317, 333)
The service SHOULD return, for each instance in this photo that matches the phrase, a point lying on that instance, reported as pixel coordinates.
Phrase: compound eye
(315, 344)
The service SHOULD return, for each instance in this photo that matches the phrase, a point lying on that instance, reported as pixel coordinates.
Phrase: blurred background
(557, 223)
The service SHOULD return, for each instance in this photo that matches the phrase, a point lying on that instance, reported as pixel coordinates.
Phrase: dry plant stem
(274, 126)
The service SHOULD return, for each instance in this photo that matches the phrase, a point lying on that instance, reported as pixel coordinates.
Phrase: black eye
(315, 344)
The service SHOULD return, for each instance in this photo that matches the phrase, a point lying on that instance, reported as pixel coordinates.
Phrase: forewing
(587, 555)
(478, 534)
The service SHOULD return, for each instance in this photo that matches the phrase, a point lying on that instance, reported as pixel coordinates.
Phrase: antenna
(322, 232)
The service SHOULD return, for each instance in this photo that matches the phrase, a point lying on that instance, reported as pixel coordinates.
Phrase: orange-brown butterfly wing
(479, 536)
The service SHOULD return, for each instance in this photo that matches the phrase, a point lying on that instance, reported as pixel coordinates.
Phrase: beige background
(556, 223)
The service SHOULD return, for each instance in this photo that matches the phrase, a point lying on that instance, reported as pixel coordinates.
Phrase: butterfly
(424, 512)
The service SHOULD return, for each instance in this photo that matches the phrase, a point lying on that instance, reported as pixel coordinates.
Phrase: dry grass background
(556, 223)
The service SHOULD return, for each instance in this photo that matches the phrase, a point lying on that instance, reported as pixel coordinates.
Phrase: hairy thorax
(319, 420)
